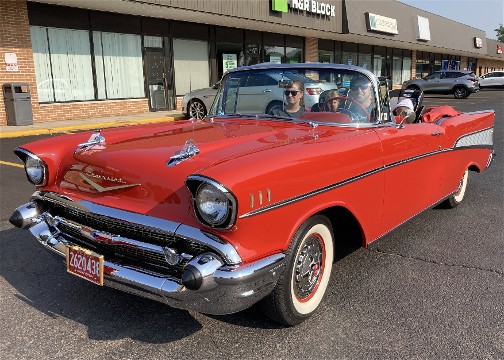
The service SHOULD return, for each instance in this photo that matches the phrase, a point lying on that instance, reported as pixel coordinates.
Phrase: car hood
(132, 167)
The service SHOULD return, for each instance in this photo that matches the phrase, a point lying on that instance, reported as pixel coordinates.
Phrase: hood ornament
(95, 139)
(100, 188)
(187, 151)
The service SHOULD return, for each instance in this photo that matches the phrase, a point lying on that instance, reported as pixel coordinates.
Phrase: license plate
(85, 264)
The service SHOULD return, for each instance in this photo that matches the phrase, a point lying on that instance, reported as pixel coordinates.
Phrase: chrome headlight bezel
(196, 185)
(31, 162)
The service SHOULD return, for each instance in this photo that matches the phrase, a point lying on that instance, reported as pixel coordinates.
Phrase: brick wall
(15, 38)
(90, 109)
(311, 50)
(413, 64)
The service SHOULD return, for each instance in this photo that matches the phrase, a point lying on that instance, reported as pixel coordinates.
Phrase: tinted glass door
(156, 79)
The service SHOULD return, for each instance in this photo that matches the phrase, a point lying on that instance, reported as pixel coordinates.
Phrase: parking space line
(11, 164)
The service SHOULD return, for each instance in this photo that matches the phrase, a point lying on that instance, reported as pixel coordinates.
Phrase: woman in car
(294, 101)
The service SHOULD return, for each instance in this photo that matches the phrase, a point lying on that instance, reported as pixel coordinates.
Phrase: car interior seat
(322, 98)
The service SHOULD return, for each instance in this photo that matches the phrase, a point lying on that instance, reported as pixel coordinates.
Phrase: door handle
(436, 134)
(267, 90)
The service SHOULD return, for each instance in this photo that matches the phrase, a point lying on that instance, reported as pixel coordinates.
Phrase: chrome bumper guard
(223, 289)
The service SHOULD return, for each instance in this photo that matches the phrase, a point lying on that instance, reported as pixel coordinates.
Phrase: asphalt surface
(432, 289)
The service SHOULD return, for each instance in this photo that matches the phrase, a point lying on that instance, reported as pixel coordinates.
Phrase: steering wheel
(356, 113)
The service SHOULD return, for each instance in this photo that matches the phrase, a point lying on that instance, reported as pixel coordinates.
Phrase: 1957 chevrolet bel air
(252, 203)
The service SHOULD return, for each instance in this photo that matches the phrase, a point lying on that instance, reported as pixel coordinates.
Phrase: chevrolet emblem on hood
(100, 188)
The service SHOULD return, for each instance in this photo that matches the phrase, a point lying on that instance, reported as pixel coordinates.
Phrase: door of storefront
(155, 64)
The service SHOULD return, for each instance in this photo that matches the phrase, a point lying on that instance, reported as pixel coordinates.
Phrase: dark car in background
(457, 82)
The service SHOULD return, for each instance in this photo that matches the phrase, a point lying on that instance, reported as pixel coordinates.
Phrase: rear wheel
(304, 280)
(460, 92)
(273, 105)
(456, 198)
(196, 109)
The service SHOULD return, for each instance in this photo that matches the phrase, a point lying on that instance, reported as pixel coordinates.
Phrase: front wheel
(303, 283)
(456, 198)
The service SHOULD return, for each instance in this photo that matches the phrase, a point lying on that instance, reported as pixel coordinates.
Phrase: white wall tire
(458, 196)
(304, 281)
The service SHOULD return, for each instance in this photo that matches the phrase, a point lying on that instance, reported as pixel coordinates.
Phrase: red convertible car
(244, 206)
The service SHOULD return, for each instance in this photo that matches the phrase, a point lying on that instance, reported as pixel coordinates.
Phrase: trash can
(18, 106)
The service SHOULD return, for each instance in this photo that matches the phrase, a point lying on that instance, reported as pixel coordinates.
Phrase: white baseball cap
(405, 102)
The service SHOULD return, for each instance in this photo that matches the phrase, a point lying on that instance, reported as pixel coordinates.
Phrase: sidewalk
(88, 124)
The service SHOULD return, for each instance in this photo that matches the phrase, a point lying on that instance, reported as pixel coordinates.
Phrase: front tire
(303, 283)
(458, 196)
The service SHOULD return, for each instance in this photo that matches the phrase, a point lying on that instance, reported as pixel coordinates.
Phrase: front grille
(149, 259)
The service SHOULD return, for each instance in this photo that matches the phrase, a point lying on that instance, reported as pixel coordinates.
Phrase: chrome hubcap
(196, 110)
(309, 267)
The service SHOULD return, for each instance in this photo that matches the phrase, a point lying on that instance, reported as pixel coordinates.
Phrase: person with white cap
(403, 106)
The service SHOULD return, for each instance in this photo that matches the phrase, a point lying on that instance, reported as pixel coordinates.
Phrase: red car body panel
(387, 174)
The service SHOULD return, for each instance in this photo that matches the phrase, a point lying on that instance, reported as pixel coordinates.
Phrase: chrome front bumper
(224, 288)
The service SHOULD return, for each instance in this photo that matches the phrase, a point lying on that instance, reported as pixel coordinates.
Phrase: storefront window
(153, 41)
(293, 55)
(190, 59)
(365, 61)
(274, 54)
(365, 56)
(326, 57)
(349, 55)
(396, 70)
(406, 71)
(63, 66)
(229, 56)
(349, 58)
(119, 66)
(252, 54)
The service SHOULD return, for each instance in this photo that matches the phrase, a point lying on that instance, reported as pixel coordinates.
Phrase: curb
(63, 129)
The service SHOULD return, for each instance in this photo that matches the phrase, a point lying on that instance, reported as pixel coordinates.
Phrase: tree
(500, 33)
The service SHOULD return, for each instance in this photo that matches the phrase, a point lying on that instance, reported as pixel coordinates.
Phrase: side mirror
(409, 117)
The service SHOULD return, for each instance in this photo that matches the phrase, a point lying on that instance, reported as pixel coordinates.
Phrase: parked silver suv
(457, 82)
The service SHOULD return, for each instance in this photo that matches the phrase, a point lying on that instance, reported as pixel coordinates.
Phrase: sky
(485, 15)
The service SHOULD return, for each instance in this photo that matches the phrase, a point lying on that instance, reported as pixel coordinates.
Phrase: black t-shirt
(282, 112)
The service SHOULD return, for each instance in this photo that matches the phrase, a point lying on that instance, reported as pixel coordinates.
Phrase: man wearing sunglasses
(360, 90)
(294, 101)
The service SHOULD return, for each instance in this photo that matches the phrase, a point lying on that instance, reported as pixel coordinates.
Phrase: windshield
(317, 94)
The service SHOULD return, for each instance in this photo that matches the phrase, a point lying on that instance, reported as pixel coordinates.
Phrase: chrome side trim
(480, 112)
(347, 181)
(478, 138)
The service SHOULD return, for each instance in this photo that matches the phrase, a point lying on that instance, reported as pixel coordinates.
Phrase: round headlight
(212, 204)
(35, 170)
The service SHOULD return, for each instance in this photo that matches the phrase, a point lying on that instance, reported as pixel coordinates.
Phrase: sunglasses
(292, 92)
(361, 86)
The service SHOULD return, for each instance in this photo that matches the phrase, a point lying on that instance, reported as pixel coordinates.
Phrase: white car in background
(196, 103)
(495, 78)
